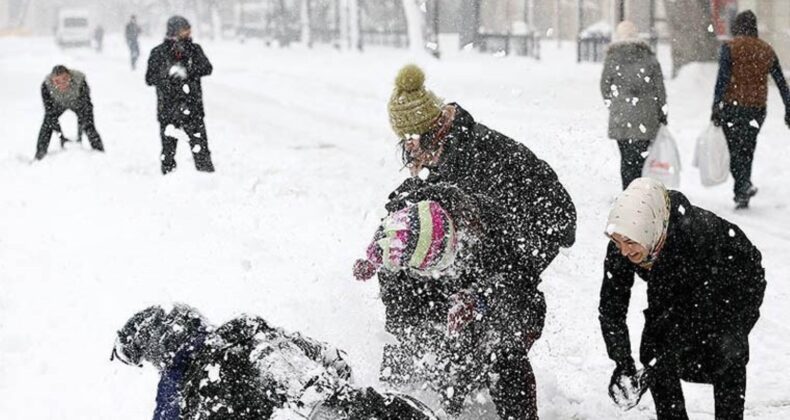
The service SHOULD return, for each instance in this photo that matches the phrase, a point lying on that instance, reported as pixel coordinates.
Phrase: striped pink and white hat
(420, 237)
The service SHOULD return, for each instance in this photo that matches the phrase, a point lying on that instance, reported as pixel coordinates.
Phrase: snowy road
(305, 159)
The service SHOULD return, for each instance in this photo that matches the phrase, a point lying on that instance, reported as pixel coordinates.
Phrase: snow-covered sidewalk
(305, 159)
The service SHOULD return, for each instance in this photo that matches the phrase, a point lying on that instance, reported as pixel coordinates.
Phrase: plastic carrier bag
(663, 159)
(712, 156)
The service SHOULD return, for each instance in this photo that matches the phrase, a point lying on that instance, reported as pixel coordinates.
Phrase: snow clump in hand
(178, 71)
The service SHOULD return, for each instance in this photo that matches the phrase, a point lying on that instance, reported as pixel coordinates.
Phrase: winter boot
(742, 200)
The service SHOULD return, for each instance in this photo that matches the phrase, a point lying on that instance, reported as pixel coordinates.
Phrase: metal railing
(592, 47)
(384, 39)
(522, 44)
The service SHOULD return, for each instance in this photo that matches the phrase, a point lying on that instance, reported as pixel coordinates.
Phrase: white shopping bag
(712, 156)
(663, 159)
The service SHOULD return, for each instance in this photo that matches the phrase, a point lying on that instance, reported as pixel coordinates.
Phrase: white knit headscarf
(641, 213)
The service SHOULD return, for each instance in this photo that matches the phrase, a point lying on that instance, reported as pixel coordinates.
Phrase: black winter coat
(527, 215)
(247, 370)
(179, 100)
(704, 292)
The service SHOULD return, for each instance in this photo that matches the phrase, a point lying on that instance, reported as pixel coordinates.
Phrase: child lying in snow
(246, 369)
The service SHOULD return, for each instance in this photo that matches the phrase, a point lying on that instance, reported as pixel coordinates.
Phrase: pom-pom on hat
(412, 108)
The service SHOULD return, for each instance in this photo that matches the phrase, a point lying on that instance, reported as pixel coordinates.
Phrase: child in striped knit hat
(420, 237)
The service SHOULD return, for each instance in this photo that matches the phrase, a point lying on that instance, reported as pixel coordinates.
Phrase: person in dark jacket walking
(525, 216)
(132, 33)
(175, 68)
(740, 98)
(705, 285)
(632, 86)
(248, 370)
(66, 89)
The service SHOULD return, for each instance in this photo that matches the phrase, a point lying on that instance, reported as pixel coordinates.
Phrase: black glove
(623, 371)
(663, 118)
(403, 195)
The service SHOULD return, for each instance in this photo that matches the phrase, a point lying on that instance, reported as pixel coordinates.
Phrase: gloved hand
(63, 140)
(403, 195)
(364, 269)
(463, 309)
(626, 386)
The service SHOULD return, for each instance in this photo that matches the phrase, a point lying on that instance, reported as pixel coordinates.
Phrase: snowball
(754, 124)
(185, 88)
(213, 372)
(196, 148)
(642, 128)
(731, 233)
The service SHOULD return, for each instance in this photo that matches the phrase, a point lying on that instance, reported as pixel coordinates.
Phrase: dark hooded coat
(704, 293)
(178, 100)
(632, 85)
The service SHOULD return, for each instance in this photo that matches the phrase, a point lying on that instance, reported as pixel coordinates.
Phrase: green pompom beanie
(412, 108)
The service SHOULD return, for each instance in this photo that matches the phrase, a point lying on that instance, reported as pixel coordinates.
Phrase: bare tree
(304, 9)
(415, 24)
(693, 37)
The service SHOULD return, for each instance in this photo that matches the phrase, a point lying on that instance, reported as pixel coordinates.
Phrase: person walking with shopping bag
(632, 86)
(740, 98)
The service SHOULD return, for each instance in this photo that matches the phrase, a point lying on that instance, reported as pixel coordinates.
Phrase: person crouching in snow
(705, 285)
(248, 370)
(175, 68)
(632, 86)
(66, 89)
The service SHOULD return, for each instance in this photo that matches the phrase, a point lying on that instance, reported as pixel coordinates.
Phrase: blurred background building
(486, 24)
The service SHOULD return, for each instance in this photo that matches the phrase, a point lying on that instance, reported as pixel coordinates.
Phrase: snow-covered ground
(305, 159)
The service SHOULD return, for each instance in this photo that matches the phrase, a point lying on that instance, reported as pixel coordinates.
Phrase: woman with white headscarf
(632, 87)
(705, 285)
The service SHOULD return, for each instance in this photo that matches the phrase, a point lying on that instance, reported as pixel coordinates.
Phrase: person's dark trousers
(741, 126)
(134, 50)
(45, 133)
(514, 393)
(667, 394)
(198, 142)
(86, 125)
(729, 388)
(633, 154)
